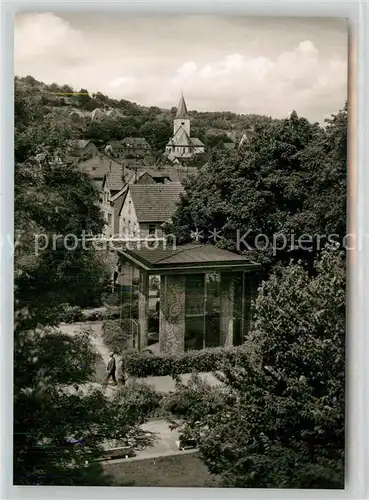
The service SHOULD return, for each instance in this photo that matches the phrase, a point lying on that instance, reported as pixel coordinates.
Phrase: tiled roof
(118, 175)
(155, 202)
(191, 255)
(83, 143)
(173, 173)
(114, 180)
(196, 142)
(99, 165)
(181, 138)
(116, 145)
(118, 201)
(160, 174)
(182, 109)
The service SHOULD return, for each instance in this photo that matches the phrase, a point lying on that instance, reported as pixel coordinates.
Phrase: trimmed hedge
(206, 360)
(70, 314)
(74, 314)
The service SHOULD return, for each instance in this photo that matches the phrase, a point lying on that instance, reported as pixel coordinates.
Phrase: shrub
(94, 315)
(70, 314)
(111, 299)
(112, 312)
(117, 334)
(206, 360)
(141, 401)
(285, 426)
(189, 400)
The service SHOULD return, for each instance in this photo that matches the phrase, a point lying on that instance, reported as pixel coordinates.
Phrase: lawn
(171, 471)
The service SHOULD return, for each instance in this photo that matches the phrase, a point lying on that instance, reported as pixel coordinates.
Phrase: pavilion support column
(143, 307)
(250, 286)
(226, 309)
(172, 314)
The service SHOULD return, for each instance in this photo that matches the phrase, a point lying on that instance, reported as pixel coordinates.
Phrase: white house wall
(108, 211)
(128, 223)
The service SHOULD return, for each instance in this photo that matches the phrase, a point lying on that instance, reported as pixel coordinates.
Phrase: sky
(268, 66)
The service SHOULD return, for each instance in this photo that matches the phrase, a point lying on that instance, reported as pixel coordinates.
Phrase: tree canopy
(278, 420)
(268, 198)
(60, 420)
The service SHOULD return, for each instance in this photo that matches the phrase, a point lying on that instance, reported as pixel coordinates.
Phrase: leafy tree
(281, 424)
(67, 89)
(263, 199)
(157, 133)
(216, 140)
(61, 422)
(54, 403)
(326, 161)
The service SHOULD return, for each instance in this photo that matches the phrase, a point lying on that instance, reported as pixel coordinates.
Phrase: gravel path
(166, 439)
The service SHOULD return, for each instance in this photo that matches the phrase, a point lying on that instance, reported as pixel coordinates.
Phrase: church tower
(182, 145)
(182, 118)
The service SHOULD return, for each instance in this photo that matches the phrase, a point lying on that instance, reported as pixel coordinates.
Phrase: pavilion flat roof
(187, 259)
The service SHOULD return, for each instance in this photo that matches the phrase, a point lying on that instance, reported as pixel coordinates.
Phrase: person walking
(123, 375)
(111, 369)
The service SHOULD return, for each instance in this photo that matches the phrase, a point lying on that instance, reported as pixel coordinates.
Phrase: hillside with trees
(129, 119)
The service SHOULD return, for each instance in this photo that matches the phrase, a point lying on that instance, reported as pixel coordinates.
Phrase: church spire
(182, 108)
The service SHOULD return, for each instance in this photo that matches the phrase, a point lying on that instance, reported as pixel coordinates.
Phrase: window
(109, 219)
(194, 312)
(152, 229)
(202, 311)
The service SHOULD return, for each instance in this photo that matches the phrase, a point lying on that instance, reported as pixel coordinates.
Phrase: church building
(182, 145)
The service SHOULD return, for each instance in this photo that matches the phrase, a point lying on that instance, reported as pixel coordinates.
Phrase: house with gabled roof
(97, 114)
(115, 149)
(97, 166)
(115, 179)
(247, 136)
(182, 145)
(82, 149)
(146, 207)
(136, 147)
